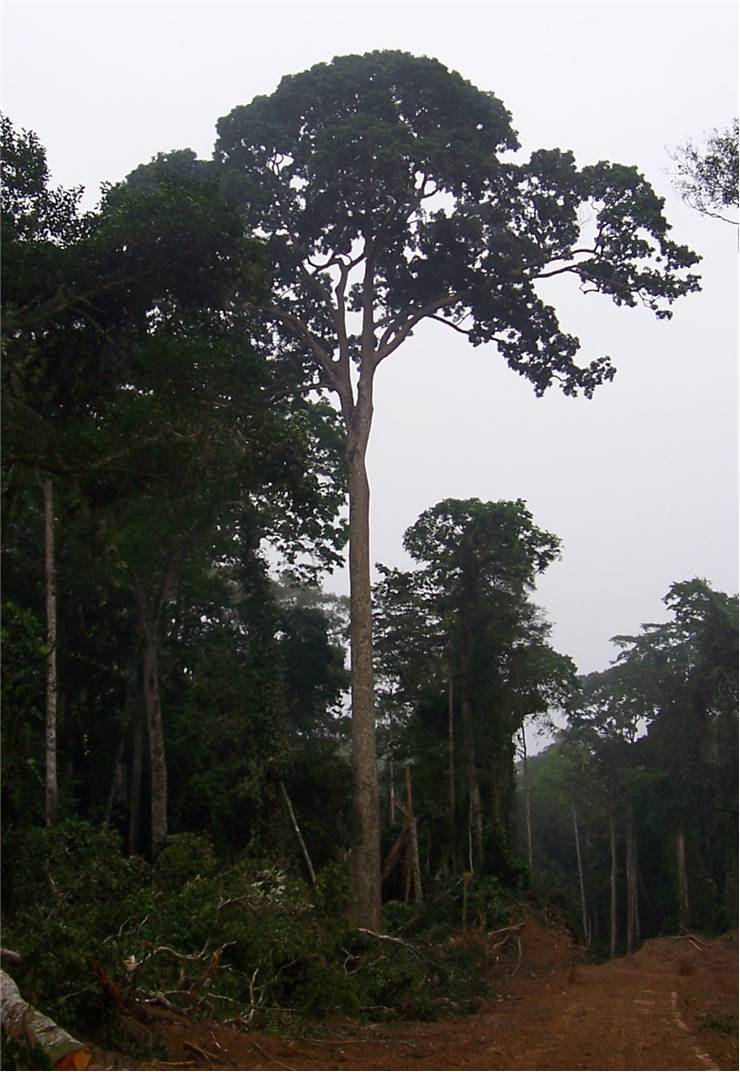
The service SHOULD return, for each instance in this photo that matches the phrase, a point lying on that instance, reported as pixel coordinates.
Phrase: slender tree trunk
(298, 834)
(613, 886)
(502, 769)
(451, 759)
(527, 799)
(118, 780)
(413, 840)
(153, 707)
(392, 790)
(471, 771)
(633, 911)
(584, 909)
(51, 783)
(682, 879)
(471, 768)
(365, 861)
(134, 809)
(117, 784)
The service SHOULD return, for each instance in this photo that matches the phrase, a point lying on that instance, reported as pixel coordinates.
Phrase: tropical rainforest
(224, 788)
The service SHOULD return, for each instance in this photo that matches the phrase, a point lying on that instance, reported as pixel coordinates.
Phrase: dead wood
(504, 930)
(272, 1060)
(111, 989)
(21, 1021)
(298, 834)
(389, 938)
(393, 853)
(212, 1057)
(695, 940)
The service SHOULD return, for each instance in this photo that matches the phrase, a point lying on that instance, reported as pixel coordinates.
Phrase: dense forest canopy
(188, 378)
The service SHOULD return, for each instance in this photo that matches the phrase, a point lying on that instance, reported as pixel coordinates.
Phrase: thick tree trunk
(365, 861)
(152, 704)
(51, 783)
(579, 860)
(682, 879)
(21, 1021)
(633, 912)
(613, 886)
(527, 800)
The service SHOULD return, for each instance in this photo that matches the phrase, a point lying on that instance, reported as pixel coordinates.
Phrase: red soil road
(668, 1007)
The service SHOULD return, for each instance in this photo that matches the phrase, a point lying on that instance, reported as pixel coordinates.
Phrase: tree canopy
(385, 192)
(392, 165)
(706, 175)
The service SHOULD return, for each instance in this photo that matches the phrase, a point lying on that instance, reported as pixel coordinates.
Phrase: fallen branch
(693, 938)
(203, 1053)
(21, 1021)
(174, 953)
(518, 964)
(390, 938)
(272, 1060)
(505, 930)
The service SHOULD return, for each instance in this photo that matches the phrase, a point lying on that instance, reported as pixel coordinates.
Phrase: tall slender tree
(381, 186)
(464, 617)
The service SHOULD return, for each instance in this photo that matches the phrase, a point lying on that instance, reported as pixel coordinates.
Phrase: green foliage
(707, 176)
(70, 884)
(352, 159)
(184, 858)
(460, 634)
(250, 939)
(22, 707)
(651, 748)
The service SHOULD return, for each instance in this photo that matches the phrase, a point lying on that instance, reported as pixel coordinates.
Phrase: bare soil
(673, 1005)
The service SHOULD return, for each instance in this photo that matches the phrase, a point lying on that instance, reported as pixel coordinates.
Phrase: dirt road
(671, 1006)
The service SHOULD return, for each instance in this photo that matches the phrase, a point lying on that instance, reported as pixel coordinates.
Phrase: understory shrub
(249, 942)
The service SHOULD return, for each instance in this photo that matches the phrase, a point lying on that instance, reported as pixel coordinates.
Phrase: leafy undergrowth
(101, 934)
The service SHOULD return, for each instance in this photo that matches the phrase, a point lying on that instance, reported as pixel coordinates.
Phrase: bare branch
(450, 324)
(303, 332)
(397, 330)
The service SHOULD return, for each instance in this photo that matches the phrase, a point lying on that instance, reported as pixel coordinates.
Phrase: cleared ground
(671, 1006)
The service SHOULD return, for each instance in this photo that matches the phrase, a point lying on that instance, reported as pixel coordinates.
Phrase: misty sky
(641, 482)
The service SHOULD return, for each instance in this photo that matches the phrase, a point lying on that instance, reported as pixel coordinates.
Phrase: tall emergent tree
(380, 189)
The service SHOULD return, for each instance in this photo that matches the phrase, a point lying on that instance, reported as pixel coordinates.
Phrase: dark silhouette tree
(381, 186)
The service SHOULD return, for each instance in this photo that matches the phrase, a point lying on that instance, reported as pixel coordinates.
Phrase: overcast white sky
(640, 483)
